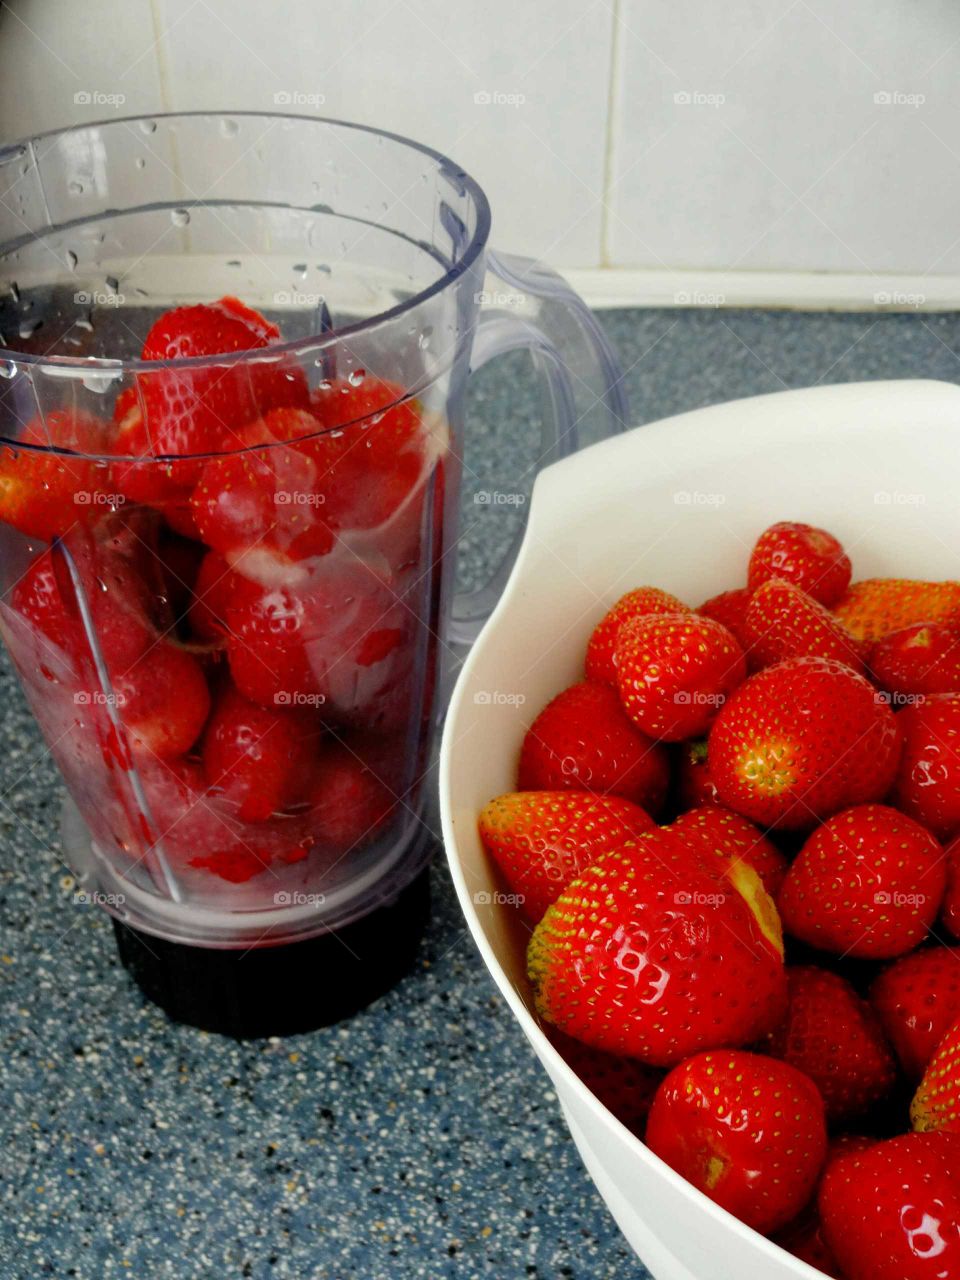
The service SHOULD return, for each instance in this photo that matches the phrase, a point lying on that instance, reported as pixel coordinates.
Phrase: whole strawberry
(927, 783)
(730, 608)
(874, 607)
(583, 740)
(541, 840)
(600, 662)
(918, 1000)
(674, 672)
(835, 1038)
(936, 1104)
(624, 1086)
(923, 658)
(801, 740)
(748, 1131)
(639, 954)
(868, 882)
(725, 834)
(803, 1237)
(784, 622)
(803, 555)
(892, 1212)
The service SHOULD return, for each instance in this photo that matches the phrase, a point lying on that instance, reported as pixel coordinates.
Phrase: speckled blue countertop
(421, 1139)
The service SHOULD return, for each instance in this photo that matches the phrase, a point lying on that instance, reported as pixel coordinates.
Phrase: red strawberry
(257, 759)
(693, 784)
(804, 1236)
(835, 1038)
(950, 911)
(637, 956)
(269, 497)
(674, 672)
(42, 492)
(600, 662)
(214, 589)
(923, 658)
(163, 701)
(722, 832)
(801, 740)
(541, 840)
(584, 741)
(810, 558)
(918, 1000)
(875, 607)
(748, 1131)
(784, 622)
(936, 1103)
(349, 803)
(730, 609)
(190, 409)
(927, 783)
(624, 1086)
(892, 1212)
(869, 882)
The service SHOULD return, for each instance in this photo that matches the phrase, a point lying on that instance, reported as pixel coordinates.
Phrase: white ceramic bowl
(678, 504)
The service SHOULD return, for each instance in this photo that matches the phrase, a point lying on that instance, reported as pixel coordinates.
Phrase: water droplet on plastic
(84, 323)
(180, 217)
(71, 258)
(423, 341)
(75, 188)
(300, 268)
(324, 384)
(141, 163)
(8, 369)
(323, 267)
(356, 377)
(113, 284)
(233, 262)
(29, 327)
(99, 383)
(14, 291)
(148, 126)
(229, 128)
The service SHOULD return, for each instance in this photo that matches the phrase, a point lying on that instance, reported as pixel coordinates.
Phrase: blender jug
(231, 419)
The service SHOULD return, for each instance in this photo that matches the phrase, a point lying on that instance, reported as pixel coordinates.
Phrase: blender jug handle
(584, 396)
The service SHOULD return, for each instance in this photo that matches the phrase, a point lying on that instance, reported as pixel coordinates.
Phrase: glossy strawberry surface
(809, 558)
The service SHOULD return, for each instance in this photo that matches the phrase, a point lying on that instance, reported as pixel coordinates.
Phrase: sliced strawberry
(808, 557)
(869, 882)
(784, 622)
(584, 741)
(601, 647)
(541, 840)
(722, 832)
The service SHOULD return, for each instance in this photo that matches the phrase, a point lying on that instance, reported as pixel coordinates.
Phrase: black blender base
(282, 990)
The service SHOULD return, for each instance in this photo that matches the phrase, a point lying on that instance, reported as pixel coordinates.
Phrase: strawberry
(163, 701)
(541, 840)
(257, 759)
(869, 882)
(873, 608)
(674, 672)
(693, 785)
(950, 911)
(730, 609)
(892, 1212)
(46, 484)
(803, 555)
(584, 741)
(349, 802)
(601, 647)
(800, 740)
(624, 1086)
(927, 784)
(923, 658)
(804, 1236)
(213, 591)
(748, 1131)
(834, 1037)
(784, 622)
(725, 833)
(936, 1103)
(918, 999)
(636, 956)
(268, 494)
(189, 409)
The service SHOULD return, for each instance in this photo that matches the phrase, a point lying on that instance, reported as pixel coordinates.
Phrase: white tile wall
(781, 161)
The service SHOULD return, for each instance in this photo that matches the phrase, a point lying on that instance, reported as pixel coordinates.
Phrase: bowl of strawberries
(700, 784)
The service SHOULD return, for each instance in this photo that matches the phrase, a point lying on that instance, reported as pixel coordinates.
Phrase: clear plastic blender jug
(227, 577)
